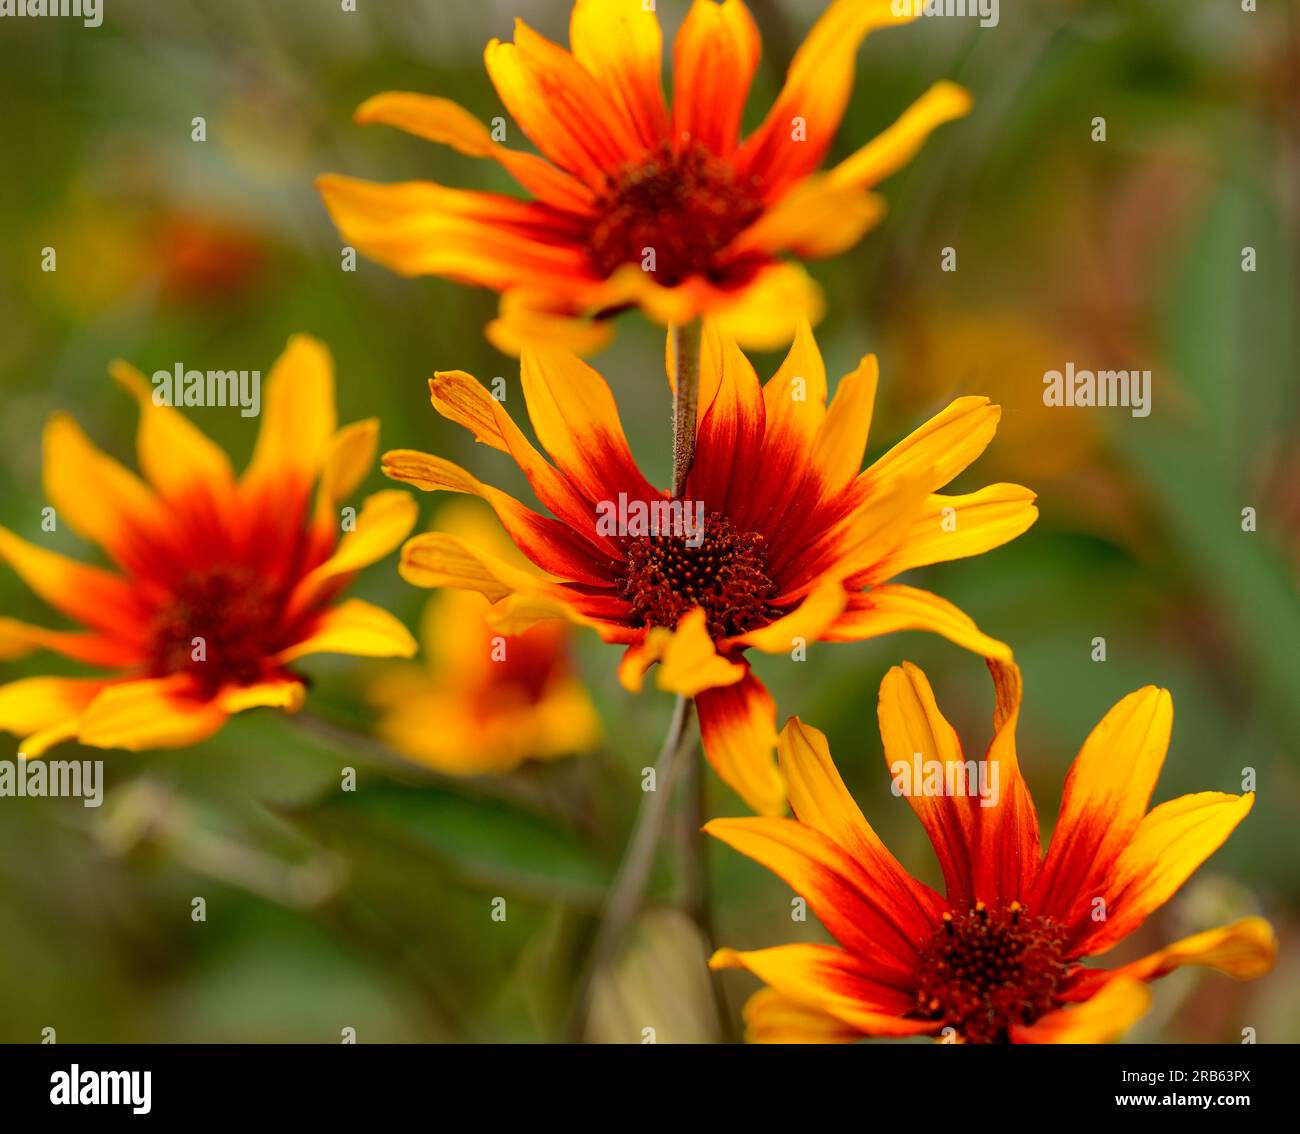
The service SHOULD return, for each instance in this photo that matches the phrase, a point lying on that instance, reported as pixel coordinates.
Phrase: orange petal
(160, 712)
(560, 105)
(38, 705)
(18, 639)
(1106, 795)
(354, 627)
(1103, 1019)
(773, 1018)
(689, 662)
(1170, 843)
(298, 418)
(889, 152)
(892, 607)
(957, 527)
(619, 42)
(846, 899)
(814, 220)
(1246, 949)
(447, 123)
(714, 58)
(820, 800)
(833, 982)
(738, 732)
(814, 97)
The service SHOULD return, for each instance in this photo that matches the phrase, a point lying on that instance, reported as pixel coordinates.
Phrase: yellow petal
(1103, 1019)
(689, 661)
(355, 627)
(298, 416)
(33, 704)
(288, 695)
(957, 527)
(893, 607)
(619, 42)
(349, 456)
(944, 445)
(1246, 949)
(175, 455)
(738, 732)
(815, 219)
(150, 713)
(889, 152)
(806, 622)
(773, 1018)
(842, 439)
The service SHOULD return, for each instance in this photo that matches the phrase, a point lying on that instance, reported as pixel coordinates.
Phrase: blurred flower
(788, 543)
(639, 205)
(998, 960)
(483, 702)
(220, 583)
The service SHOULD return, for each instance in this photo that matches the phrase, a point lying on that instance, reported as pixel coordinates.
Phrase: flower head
(484, 702)
(635, 203)
(217, 584)
(776, 541)
(999, 957)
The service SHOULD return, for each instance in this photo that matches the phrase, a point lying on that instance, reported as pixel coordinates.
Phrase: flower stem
(686, 393)
(628, 890)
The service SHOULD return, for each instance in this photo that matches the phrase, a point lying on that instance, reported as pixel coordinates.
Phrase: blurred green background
(373, 911)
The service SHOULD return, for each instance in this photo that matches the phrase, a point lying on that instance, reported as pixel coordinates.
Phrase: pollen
(985, 971)
(221, 625)
(727, 575)
(684, 206)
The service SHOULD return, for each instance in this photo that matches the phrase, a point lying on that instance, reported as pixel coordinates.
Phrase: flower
(483, 702)
(219, 584)
(999, 958)
(794, 544)
(633, 203)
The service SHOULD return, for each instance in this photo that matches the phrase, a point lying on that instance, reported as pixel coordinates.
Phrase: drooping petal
(1244, 950)
(801, 125)
(157, 712)
(831, 981)
(1106, 795)
(820, 800)
(893, 607)
(1169, 845)
(848, 901)
(354, 627)
(287, 693)
(620, 43)
(956, 527)
(1103, 1019)
(447, 123)
(772, 1018)
(889, 152)
(738, 732)
(688, 661)
(714, 59)
(807, 622)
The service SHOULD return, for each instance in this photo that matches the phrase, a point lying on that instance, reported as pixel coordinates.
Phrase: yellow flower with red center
(635, 203)
(484, 702)
(999, 957)
(795, 545)
(218, 583)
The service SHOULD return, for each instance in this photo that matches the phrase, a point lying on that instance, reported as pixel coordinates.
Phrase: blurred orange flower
(788, 542)
(998, 958)
(220, 583)
(483, 702)
(636, 204)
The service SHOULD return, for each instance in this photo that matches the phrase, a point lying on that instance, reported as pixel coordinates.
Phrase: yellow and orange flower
(635, 203)
(483, 702)
(796, 544)
(219, 583)
(998, 959)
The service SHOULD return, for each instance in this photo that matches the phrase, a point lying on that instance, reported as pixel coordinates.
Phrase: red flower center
(984, 972)
(221, 625)
(684, 208)
(726, 574)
